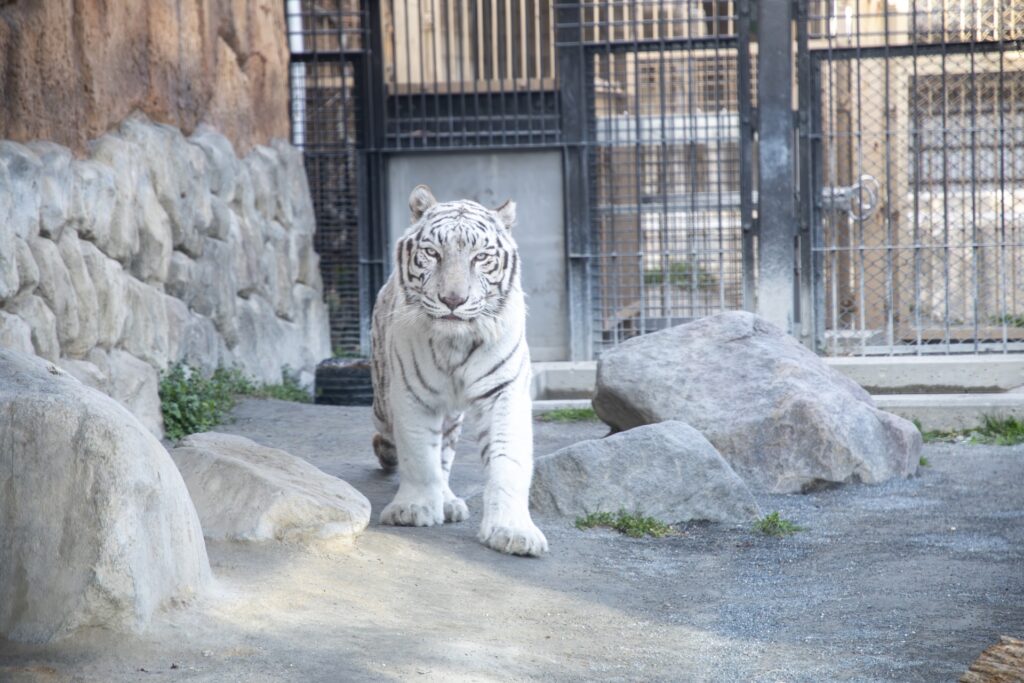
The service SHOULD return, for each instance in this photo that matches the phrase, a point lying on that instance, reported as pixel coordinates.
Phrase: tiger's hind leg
(455, 509)
(386, 452)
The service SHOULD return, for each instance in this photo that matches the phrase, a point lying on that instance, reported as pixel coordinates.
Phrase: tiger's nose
(453, 301)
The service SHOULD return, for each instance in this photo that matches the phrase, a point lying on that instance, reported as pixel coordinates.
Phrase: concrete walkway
(906, 581)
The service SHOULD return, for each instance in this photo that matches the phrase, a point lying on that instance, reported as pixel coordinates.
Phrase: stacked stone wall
(152, 249)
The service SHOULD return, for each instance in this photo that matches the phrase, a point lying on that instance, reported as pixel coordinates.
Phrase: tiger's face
(458, 261)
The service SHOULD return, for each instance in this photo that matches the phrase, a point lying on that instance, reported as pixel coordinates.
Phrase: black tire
(344, 382)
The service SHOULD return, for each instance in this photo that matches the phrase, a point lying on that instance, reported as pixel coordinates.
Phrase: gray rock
(85, 296)
(135, 384)
(56, 289)
(146, 332)
(151, 260)
(55, 183)
(776, 412)
(298, 215)
(110, 282)
(125, 162)
(28, 271)
(221, 161)
(93, 199)
(247, 249)
(86, 372)
(214, 287)
(181, 277)
(178, 173)
(15, 333)
(21, 184)
(96, 525)
(9, 276)
(43, 323)
(668, 471)
(248, 492)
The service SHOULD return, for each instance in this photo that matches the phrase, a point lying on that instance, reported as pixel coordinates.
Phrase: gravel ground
(905, 581)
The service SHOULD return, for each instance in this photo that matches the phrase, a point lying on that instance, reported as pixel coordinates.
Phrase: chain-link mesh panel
(325, 37)
(921, 169)
(665, 164)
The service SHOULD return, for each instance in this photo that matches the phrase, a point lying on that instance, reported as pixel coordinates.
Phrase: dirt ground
(906, 581)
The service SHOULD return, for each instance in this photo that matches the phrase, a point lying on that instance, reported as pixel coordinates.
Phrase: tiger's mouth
(453, 317)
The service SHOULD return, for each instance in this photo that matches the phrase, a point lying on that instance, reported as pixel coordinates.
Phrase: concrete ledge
(948, 412)
(545, 406)
(933, 374)
(985, 374)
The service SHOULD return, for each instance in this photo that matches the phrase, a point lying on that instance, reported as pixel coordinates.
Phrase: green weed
(192, 402)
(774, 525)
(923, 462)
(682, 274)
(1001, 431)
(568, 415)
(1007, 431)
(625, 523)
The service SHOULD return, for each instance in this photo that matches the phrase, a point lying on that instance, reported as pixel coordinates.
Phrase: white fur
(427, 372)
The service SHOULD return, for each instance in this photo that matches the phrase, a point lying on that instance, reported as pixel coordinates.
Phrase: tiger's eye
(482, 256)
(432, 253)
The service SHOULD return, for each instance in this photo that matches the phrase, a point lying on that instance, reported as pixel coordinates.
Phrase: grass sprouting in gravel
(774, 525)
(192, 402)
(625, 523)
(568, 415)
(1005, 431)
(923, 462)
(999, 431)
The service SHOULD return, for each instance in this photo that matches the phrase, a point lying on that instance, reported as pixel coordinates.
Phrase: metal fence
(909, 180)
(917, 174)
(668, 132)
(327, 43)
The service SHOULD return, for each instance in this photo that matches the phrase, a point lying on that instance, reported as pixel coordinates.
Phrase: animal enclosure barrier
(908, 172)
(916, 164)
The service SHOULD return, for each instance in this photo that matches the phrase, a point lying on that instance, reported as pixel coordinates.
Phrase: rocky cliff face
(70, 70)
(155, 249)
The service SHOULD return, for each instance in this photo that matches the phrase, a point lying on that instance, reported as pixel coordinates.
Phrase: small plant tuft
(774, 525)
(924, 462)
(1002, 431)
(568, 415)
(625, 523)
(193, 403)
(682, 274)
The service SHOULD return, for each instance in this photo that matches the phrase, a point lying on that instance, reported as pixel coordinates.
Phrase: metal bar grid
(666, 134)
(916, 142)
(327, 40)
(464, 74)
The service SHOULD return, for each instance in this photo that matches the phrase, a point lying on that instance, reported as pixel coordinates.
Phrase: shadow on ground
(906, 581)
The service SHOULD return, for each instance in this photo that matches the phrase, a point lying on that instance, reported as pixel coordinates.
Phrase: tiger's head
(457, 262)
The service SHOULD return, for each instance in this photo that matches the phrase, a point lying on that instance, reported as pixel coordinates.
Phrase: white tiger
(449, 335)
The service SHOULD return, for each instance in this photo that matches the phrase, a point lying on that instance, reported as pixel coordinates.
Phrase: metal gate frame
(577, 89)
(858, 201)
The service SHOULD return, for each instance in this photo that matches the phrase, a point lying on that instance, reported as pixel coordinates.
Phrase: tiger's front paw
(413, 512)
(455, 509)
(523, 538)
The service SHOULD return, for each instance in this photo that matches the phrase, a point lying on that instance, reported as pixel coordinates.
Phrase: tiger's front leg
(421, 484)
(506, 447)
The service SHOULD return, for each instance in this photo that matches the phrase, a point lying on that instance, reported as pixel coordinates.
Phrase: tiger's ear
(507, 213)
(420, 200)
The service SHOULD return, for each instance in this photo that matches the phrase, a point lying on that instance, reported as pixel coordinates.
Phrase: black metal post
(776, 165)
(574, 109)
(373, 229)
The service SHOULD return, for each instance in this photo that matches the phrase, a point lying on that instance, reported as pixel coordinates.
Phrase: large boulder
(96, 525)
(667, 470)
(248, 492)
(784, 420)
